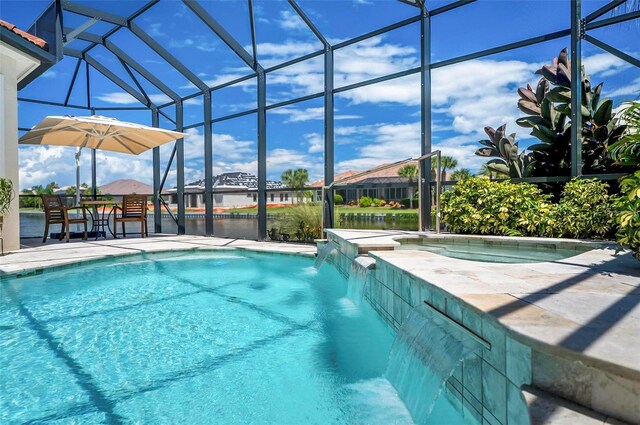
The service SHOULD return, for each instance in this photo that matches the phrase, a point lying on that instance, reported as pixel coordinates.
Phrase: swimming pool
(217, 337)
(490, 251)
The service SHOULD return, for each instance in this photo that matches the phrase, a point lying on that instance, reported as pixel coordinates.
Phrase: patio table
(98, 218)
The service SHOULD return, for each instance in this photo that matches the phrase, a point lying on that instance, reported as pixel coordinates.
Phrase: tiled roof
(383, 173)
(29, 37)
(238, 179)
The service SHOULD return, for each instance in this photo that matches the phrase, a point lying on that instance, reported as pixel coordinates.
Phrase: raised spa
(493, 251)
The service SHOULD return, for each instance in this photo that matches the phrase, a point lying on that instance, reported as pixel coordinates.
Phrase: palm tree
(410, 171)
(461, 174)
(295, 179)
(446, 162)
(487, 172)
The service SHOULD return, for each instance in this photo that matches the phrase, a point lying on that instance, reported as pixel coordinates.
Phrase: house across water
(233, 190)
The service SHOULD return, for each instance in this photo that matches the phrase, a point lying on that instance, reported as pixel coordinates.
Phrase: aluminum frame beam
(328, 204)
(110, 75)
(208, 166)
(157, 189)
(425, 119)
(73, 81)
(219, 30)
(180, 170)
(577, 33)
(262, 155)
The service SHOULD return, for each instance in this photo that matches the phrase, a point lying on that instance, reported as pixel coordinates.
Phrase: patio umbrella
(97, 132)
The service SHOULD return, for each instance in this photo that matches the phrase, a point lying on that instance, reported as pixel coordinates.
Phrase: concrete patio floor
(36, 255)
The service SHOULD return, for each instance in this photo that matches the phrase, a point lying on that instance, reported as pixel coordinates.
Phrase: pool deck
(35, 255)
(584, 309)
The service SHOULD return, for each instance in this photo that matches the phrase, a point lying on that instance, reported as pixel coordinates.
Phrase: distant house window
(255, 197)
(281, 197)
(286, 196)
(272, 197)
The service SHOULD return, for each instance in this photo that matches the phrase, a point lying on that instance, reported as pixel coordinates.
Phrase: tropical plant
(6, 196)
(628, 219)
(337, 199)
(549, 109)
(508, 162)
(409, 171)
(627, 152)
(461, 174)
(296, 179)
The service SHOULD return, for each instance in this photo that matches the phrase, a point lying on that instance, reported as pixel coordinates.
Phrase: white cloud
(308, 114)
(316, 142)
(119, 98)
(291, 21)
(631, 90)
(604, 65)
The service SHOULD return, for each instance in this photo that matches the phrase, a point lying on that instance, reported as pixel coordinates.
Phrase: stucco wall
(9, 146)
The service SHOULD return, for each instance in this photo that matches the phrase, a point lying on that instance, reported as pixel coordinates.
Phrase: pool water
(220, 337)
(491, 253)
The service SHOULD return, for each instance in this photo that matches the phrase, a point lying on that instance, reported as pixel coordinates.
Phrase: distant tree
(409, 171)
(488, 172)
(446, 163)
(296, 179)
(461, 174)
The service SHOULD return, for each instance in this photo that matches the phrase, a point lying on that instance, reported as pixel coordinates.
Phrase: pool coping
(49, 258)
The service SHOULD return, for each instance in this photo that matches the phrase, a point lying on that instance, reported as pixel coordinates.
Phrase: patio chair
(56, 212)
(134, 209)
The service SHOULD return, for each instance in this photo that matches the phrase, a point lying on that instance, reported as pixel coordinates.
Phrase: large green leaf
(531, 121)
(603, 113)
(559, 94)
(536, 132)
(596, 96)
(540, 147)
(498, 167)
(528, 107)
(487, 152)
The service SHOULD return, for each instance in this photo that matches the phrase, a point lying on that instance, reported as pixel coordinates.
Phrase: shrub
(365, 202)
(382, 203)
(628, 220)
(375, 202)
(480, 206)
(406, 203)
(304, 221)
(586, 209)
(337, 199)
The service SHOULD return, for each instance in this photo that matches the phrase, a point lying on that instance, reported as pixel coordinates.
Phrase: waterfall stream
(357, 282)
(426, 351)
(324, 252)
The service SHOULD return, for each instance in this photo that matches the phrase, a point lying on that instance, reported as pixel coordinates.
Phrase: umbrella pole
(78, 153)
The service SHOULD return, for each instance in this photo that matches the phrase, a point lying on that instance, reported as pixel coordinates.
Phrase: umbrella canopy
(98, 132)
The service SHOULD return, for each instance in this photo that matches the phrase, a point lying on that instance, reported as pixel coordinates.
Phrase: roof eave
(47, 60)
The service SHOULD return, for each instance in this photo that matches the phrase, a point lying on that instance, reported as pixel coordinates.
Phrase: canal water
(32, 225)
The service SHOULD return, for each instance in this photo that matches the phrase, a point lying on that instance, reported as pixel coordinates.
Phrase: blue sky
(374, 124)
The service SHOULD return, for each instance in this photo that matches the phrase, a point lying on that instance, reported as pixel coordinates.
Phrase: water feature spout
(324, 252)
(426, 351)
(358, 278)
